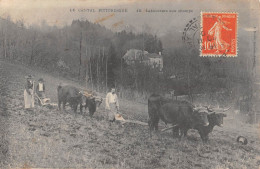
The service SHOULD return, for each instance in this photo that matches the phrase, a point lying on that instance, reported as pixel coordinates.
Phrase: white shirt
(111, 99)
(40, 87)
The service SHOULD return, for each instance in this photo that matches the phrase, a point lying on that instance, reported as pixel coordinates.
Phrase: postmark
(218, 34)
(191, 34)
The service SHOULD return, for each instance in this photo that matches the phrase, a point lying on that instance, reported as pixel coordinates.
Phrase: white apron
(28, 99)
(112, 112)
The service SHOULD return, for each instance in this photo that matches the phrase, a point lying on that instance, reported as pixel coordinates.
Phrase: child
(40, 89)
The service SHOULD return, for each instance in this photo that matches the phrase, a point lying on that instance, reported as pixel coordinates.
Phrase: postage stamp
(218, 34)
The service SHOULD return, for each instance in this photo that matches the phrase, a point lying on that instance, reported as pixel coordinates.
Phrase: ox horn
(224, 110)
(197, 108)
(209, 109)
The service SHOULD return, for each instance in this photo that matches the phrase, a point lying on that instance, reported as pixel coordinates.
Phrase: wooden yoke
(87, 94)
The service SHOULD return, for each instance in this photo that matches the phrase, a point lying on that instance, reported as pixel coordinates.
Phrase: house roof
(153, 55)
(134, 54)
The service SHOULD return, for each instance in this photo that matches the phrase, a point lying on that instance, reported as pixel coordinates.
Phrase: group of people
(112, 104)
(29, 92)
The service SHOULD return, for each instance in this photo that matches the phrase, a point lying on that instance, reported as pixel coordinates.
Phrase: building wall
(156, 61)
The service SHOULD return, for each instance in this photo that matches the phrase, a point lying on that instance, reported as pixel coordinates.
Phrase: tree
(112, 65)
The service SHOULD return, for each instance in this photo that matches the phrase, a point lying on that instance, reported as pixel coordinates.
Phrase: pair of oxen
(73, 96)
(183, 116)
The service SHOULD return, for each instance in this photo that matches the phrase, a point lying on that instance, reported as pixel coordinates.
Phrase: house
(155, 60)
(134, 55)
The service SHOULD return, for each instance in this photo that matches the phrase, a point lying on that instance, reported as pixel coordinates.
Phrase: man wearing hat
(112, 104)
(28, 93)
(40, 89)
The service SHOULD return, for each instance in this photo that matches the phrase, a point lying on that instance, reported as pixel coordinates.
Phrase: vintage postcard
(130, 84)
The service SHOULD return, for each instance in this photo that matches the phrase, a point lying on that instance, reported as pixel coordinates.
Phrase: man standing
(40, 90)
(112, 104)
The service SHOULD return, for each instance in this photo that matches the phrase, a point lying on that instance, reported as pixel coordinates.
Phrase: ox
(71, 95)
(215, 119)
(179, 113)
(91, 103)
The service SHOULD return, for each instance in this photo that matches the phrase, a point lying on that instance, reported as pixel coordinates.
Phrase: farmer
(112, 105)
(40, 89)
(28, 93)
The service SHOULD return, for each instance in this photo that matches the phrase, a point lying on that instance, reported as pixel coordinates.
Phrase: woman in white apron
(28, 93)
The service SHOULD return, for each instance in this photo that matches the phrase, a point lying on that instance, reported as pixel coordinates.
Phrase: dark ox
(71, 95)
(215, 119)
(179, 113)
(91, 103)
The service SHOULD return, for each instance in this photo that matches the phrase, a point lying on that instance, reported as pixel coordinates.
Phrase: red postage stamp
(218, 34)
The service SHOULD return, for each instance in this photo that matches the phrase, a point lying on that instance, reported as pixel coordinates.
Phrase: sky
(58, 12)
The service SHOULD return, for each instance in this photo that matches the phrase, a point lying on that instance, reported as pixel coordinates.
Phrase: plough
(120, 118)
(46, 101)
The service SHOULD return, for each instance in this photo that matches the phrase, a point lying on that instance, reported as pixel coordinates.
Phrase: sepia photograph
(138, 84)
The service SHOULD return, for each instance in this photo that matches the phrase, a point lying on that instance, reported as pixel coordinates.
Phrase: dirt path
(54, 139)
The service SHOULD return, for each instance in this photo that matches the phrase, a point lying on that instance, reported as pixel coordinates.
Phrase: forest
(92, 54)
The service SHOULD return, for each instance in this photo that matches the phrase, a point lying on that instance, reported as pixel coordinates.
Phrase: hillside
(48, 138)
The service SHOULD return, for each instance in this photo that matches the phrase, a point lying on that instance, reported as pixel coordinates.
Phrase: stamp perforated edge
(201, 24)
